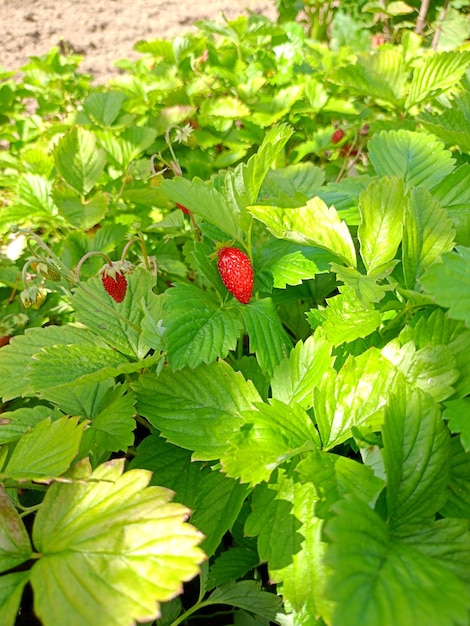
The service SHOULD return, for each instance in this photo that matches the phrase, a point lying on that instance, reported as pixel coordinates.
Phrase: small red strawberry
(337, 135)
(236, 272)
(114, 279)
(183, 208)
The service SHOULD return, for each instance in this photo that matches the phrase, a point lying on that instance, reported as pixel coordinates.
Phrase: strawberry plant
(234, 334)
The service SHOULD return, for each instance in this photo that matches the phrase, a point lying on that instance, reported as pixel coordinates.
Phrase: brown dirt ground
(106, 30)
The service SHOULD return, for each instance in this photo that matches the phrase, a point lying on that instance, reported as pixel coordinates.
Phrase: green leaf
(458, 494)
(230, 565)
(242, 186)
(347, 318)
(289, 263)
(229, 107)
(195, 339)
(79, 160)
(79, 397)
(46, 451)
(355, 396)
(448, 282)
(171, 467)
(112, 428)
(427, 233)
(205, 201)
(380, 231)
(380, 76)
(313, 225)
(216, 507)
(432, 368)
(289, 539)
(446, 541)
(453, 193)
(301, 178)
(436, 74)
(11, 592)
(17, 356)
(378, 579)
(268, 339)
(80, 212)
(104, 535)
(457, 412)
(197, 409)
(247, 594)
(58, 365)
(129, 145)
(271, 434)
(450, 126)
(103, 108)
(334, 476)
(13, 424)
(116, 323)
(416, 157)
(295, 377)
(15, 546)
(416, 456)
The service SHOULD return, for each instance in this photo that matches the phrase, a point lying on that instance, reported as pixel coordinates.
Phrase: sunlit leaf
(122, 547)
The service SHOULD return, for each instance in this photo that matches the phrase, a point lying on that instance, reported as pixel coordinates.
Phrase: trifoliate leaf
(121, 546)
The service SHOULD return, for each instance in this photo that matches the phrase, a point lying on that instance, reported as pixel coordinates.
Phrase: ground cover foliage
(300, 459)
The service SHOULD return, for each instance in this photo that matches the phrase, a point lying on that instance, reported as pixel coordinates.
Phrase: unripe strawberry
(337, 135)
(236, 272)
(33, 297)
(49, 271)
(156, 180)
(114, 279)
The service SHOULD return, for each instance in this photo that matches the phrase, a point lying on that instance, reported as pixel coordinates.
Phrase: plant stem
(420, 22)
(193, 609)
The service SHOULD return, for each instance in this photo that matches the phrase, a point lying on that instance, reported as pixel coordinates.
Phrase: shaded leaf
(15, 546)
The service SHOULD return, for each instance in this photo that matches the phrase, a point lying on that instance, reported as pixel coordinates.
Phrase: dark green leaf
(195, 339)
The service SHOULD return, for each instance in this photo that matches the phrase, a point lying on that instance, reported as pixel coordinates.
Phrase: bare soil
(105, 30)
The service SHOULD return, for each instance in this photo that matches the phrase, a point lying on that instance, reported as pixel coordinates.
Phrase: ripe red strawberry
(236, 272)
(337, 135)
(114, 279)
